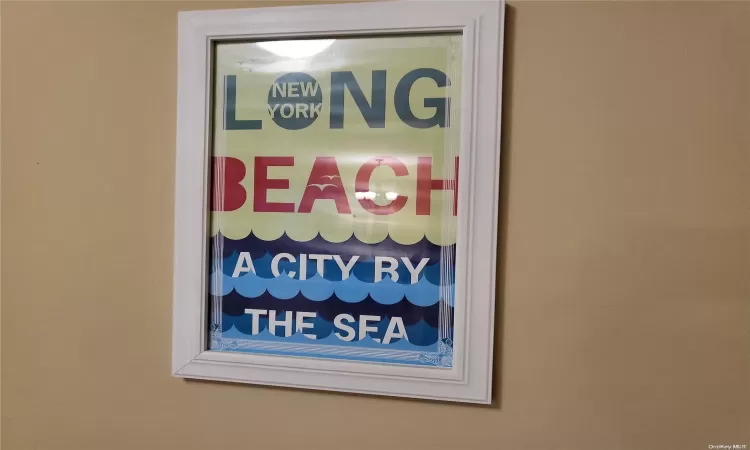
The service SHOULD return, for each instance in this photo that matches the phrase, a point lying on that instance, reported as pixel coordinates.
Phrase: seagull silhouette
(330, 177)
(321, 186)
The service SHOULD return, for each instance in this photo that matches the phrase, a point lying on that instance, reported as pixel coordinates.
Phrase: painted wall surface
(624, 276)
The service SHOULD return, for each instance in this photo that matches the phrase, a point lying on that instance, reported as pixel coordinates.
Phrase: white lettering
(320, 259)
(303, 267)
(391, 269)
(240, 267)
(315, 109)
(364, 327)
(395, 330)
(256, 313)
(291, 89)
(309, 88)
(301, 110)
(345, 269)
(289, 110)
(301, 325)
(275, 264)
(414, 271)
(273, 322)
(338, 322)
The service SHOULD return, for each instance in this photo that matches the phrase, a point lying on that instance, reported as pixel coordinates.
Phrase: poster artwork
(333, 216)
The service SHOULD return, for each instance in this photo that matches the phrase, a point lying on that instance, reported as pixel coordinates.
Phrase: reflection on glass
(334, 206)
(296, 49)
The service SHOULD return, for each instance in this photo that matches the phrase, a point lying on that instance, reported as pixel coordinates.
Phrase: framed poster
(337, 196)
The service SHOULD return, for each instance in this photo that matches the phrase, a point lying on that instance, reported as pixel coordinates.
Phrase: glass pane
(334, 209)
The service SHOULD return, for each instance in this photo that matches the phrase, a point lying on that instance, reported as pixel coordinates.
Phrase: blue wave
(419, 335)
(351, 290)
(363, 269)
(234, 304)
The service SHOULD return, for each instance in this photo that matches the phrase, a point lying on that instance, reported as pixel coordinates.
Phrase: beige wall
(625, 268)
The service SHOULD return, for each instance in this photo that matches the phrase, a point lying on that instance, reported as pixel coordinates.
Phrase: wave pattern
(419, 335)
(425, 307)
(351, 290)
(363, 268)
(223, 247)
(234, 304)
(437, 228)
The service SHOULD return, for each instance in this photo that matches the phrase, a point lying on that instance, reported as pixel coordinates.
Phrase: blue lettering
(441, 104)
(373, 112)
(230, 108)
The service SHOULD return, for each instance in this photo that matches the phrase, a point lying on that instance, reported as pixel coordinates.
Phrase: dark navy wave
(364, 269)
(420, 333)
(224, 247)
(234, 304)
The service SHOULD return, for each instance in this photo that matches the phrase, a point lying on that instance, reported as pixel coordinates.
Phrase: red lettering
(362, 184)
(324, 183)
(228, 194)
(425, 185)
(263, 183)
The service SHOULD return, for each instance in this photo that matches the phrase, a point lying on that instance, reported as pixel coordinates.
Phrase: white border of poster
(481, 24)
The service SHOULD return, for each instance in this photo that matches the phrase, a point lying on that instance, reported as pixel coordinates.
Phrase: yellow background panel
(257, 69)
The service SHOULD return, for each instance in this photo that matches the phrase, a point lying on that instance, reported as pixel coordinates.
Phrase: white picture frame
(481, 25)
